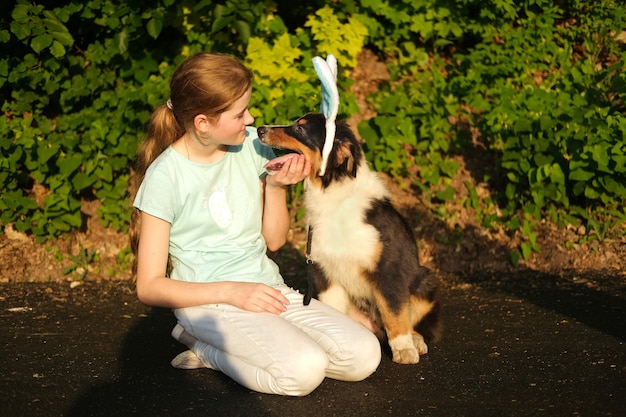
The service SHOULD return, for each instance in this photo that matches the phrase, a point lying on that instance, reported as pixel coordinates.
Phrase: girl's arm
(155, 289)
(276, 221)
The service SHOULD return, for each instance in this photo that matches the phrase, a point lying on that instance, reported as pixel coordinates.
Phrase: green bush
(539, 84)
(80, 80)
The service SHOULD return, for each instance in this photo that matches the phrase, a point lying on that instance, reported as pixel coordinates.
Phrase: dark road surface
(514, 345)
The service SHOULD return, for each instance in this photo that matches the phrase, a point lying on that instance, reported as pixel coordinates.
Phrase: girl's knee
(304, 374)
(371, 358)
(366, 360)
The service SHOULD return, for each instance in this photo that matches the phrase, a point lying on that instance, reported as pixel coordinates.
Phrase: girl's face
(230, 128)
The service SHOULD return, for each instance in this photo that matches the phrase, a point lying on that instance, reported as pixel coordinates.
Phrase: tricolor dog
(363, 252)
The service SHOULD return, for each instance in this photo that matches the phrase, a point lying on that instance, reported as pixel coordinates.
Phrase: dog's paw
(420, 344)
(406, 356)
(403, 349)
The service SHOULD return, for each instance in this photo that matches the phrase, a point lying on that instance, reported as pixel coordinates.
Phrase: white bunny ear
(327, 73)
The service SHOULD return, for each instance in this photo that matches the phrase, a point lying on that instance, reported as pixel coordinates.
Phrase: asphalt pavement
(521, 344)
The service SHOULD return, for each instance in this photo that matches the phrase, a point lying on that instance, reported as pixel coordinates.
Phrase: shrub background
(537, 86)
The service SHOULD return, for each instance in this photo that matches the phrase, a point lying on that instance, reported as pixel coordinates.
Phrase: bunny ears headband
(327, 73)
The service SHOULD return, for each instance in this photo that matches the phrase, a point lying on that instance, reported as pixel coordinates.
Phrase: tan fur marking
(395, 324)
(419, 309)
(343, 154)
(278, 139)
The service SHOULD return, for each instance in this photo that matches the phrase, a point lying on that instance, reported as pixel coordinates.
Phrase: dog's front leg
(399, 332)
(335, 296)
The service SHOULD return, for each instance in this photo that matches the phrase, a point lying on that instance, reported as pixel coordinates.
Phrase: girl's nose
(248, 118)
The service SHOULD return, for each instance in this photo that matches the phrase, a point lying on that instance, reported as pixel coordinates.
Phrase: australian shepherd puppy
(363, 253)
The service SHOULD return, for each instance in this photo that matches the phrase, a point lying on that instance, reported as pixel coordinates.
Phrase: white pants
(287, 354)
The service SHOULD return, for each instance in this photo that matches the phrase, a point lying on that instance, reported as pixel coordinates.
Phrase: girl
(206, 205)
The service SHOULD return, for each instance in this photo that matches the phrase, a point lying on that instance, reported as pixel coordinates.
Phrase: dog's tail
(426, 286)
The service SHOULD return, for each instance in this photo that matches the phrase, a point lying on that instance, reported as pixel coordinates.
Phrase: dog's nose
(261, 131)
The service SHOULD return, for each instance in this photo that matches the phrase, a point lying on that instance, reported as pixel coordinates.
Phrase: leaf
(243, 29)
(600, 154)
(154, 26)
(591, 192)
(57, 49)
(20, 12)
(447, 194)
(57, 29)
(46, 151)
(369, 133)
(122, 41)
(105, 172)
(523, 125)
(63, 37)
(5, 36)
(614, 187)
(41, 42)
(82, 181)
(67, 166)
(221, 23)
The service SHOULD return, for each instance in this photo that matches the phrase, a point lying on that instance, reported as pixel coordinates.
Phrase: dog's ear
(345, 157)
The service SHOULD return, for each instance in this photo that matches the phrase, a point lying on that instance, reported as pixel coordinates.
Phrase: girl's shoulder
(164, 162)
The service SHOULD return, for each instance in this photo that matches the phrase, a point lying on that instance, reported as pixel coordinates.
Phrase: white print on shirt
(219, 209)
(217, 204)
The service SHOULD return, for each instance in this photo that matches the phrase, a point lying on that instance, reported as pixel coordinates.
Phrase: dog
(363, 253)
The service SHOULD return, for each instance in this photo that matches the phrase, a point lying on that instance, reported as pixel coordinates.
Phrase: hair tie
(168, 103)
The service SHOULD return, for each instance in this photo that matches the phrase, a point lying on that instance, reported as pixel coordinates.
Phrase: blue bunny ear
(327, 73)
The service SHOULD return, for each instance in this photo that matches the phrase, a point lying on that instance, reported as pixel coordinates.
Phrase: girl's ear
(201, 123)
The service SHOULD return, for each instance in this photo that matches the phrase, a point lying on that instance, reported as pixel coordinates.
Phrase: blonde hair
(206, 83)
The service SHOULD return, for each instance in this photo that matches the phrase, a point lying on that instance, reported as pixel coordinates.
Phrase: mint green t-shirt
(215, 212)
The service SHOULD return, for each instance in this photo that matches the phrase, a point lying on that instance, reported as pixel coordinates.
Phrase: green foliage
(279, 80)
(82, 263)
(78, 83)
(412, 128)
(71, 120)
(538, 85)
(558, 126)
(344, 40)
(286, 85)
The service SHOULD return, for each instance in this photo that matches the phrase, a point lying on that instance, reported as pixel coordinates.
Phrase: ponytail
(163, 130)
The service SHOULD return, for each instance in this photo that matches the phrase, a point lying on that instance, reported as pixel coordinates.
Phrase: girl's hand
(287, 170)
(257, 298)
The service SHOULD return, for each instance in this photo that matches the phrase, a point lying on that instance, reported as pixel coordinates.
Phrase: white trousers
(287, 354)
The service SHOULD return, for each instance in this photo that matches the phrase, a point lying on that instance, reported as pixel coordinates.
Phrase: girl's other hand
(257, 298)
(294, 169)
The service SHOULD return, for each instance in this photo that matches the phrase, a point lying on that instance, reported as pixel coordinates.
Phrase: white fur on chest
(342, 242)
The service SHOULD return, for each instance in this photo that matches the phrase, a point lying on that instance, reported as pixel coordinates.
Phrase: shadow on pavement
(598, 301)
(147, 385)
